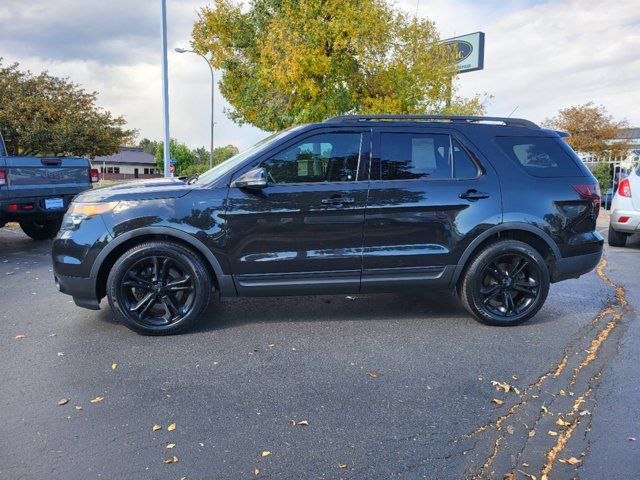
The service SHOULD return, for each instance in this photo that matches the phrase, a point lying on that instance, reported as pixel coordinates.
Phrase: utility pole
(165, 93)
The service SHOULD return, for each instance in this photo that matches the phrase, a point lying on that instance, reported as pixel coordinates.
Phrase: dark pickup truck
(36, 191)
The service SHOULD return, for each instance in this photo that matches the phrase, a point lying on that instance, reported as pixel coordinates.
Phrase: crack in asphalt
(554, 385)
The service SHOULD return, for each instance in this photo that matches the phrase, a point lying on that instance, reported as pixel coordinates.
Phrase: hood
(137, 190)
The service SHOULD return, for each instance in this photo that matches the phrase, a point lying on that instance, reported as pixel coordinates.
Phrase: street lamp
(213, 89)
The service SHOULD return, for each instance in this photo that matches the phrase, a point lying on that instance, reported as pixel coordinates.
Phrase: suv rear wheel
(616, 239)
(159, 288)
(42, 229)
(505, 284)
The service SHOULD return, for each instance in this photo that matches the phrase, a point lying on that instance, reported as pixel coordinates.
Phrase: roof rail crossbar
(511, 122)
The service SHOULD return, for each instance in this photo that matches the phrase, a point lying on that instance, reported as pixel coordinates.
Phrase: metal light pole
(165, 92)
(213, 90)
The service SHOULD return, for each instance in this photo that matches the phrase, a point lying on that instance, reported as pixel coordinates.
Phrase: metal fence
(618, 167)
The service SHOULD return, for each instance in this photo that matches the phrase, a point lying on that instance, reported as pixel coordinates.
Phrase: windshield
(228, 165)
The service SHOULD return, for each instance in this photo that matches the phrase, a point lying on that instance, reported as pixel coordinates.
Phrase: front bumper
(81, 289)
(630, 226)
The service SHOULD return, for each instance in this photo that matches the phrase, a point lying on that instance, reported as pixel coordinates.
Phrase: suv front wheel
(159, 288)
(505, 284)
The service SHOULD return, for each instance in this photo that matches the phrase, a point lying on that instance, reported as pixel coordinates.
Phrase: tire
(162, 296)
(616, 239)
(502, 270)
(43, 229)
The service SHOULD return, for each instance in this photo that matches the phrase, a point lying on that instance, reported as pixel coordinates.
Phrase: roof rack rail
(507, 121)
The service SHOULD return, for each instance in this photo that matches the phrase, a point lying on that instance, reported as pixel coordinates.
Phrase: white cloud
(540, 56)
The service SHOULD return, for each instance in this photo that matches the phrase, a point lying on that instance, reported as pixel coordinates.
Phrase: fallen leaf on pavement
(97, 400)
(304, 423)
(562, 423)
(78, 407)
(497, 401)
(256, 472)
(156, 427)
(528, 475)
(373, 374)
(342, 465)
(552, 433)
(544, 409)
(171, 427)
(114, 366)
(20, 337)
(266, 453)
(509, 476)
(570, 461)
(173, 459)
(532, 433)
(63, 401)
(170, 446)
(292, 422)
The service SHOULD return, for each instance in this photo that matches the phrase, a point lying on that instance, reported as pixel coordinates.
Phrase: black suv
(493, 208)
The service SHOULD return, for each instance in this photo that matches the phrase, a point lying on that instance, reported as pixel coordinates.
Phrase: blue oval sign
(464, 49)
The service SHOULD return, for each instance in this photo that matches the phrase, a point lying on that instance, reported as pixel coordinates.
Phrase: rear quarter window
(541, 156)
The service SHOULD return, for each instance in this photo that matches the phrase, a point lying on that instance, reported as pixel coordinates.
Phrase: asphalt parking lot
(390, 385)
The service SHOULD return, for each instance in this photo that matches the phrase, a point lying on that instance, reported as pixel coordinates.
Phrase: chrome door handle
(473, 195)
(337, 200)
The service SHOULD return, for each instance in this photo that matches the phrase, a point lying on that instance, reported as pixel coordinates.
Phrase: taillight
(95, 175)
(590, 191)
(3, 177)
(624, 188)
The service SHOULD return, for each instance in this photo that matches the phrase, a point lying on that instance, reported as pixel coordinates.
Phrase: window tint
(463, 165)
(540, 156)
(327, 157)
(414, 155)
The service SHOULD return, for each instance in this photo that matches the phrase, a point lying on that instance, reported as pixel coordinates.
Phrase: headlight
(78, 212)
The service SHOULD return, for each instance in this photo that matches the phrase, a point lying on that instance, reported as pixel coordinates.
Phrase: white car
(625, 210)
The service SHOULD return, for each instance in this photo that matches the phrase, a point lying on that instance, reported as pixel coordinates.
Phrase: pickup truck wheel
(159, 288)
(42, 229)
(505, 284)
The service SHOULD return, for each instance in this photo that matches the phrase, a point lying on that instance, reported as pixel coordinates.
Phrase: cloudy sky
(539, 56)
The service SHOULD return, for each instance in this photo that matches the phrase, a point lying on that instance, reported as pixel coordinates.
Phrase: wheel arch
(114, 249)
(524, 232)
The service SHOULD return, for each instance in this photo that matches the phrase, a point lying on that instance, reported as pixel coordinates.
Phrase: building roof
(630, 133)
(128, 156)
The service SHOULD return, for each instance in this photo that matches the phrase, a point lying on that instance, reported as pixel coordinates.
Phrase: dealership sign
(469, 50)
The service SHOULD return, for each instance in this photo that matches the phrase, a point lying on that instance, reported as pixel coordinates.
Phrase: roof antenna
(513, 111)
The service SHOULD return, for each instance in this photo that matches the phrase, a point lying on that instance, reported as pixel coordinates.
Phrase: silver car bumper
(632, 225)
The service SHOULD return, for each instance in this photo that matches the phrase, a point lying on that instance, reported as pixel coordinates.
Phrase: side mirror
(254, 179)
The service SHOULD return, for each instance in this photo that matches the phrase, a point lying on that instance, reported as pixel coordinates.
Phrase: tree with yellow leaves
(286, 62)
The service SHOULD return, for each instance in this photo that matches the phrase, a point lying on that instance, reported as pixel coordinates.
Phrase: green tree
(149, 146)
(294, 61)
(47, 115)
(183, 155)
(592, 130)
(222, 154)
(602, 172)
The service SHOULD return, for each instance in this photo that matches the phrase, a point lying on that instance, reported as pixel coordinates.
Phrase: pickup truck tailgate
(34, 176)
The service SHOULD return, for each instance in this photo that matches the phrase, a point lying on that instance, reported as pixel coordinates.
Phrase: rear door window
(541, 156)
(410, 156)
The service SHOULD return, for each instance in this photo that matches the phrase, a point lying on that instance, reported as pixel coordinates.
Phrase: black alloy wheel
(510, 284)
(505, 284)
(158, 288)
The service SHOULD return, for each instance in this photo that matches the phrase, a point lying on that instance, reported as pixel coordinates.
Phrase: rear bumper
(630, 226)
(573, 267)
(81, 289)
(32, 208)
